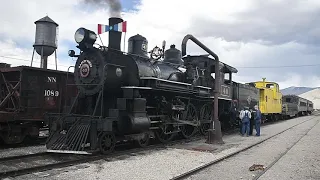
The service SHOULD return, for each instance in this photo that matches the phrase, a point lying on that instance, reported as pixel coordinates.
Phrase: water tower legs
(44, 59)
(55, 58)
(32, 56)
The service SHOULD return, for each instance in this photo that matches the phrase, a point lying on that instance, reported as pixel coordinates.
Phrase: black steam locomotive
(131, 96)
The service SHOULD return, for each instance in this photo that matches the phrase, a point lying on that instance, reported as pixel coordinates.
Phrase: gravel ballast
(301, 162)
(164, 164)
(237, 167)
(22, 151)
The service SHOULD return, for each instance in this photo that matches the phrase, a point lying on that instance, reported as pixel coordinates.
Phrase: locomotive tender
(133, 96)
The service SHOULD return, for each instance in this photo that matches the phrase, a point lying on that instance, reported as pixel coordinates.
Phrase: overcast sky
(244, 33)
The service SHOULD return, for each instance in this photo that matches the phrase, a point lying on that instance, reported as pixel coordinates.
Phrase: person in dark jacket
(257, 119)
(252, 122)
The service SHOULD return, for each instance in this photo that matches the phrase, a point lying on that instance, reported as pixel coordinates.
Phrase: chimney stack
(115, 36)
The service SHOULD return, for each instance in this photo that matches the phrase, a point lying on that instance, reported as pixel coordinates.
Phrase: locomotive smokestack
(115, 36)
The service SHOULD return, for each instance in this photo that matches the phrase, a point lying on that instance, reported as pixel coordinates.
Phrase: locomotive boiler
(131, 96)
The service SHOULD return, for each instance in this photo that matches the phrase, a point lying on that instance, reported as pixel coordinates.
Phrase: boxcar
(26, 94)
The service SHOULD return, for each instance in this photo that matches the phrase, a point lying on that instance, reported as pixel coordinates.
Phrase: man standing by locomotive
(245, 116)
(257, 119)
(252, 121)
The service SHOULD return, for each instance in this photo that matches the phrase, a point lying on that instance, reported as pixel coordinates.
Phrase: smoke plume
(113, 5)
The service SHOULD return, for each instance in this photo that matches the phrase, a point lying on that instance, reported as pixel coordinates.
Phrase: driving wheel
(107, 142)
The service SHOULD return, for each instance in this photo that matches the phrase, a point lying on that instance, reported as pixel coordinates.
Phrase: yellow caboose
(270, 103)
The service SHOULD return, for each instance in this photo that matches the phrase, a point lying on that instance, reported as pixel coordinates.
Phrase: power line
(301, 65)
(20, 59)
(248, 67)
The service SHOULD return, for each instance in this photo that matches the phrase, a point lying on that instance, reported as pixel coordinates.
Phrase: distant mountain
(296, 90)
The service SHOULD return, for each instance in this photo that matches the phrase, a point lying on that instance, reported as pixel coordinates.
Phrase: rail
(196, 170)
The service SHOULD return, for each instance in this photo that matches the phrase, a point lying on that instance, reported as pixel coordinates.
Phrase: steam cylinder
(138, 45)
(46, 36)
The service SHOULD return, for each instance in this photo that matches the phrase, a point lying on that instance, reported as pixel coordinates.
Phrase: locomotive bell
(138, 45)
(173, 55)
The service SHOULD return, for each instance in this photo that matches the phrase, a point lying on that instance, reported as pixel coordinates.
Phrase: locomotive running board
(164, 84)
(228, 99)
(68, 152)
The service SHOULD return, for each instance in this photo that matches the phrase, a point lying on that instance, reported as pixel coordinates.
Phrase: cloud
(276, 22)
(247, 33)
(10, 53)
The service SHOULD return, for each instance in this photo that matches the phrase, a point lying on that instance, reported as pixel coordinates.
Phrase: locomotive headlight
(83, 35)
(79, 35)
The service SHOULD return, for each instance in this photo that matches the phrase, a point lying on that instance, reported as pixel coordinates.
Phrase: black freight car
(26, 94)
(245, 95)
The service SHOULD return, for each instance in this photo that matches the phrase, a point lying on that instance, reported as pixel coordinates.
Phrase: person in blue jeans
(245, 116)
(257, 120)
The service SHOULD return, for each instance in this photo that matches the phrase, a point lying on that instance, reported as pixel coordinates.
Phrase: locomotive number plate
(225, 90)
(48, 92)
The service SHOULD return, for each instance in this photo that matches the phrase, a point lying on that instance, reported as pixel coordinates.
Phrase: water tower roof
(46, 19)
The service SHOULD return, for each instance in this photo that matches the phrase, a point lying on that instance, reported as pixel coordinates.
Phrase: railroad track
(282, 154)
(20, 165)
(25, 164)
(26, 143)
(207, 165)
(42, 140)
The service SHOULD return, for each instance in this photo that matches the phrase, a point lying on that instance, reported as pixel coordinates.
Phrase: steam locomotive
(131, 96)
